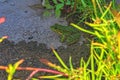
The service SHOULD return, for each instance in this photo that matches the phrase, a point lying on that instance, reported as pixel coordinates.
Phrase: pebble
(31, 37)
(12, 4)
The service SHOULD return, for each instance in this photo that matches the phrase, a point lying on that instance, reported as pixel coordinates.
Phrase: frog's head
(57, 28)
(54, 27)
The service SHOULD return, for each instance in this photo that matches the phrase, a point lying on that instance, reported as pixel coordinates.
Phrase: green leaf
(47, 5)
(59, 6)
(68, 2)
(55, 1)
(83, 3)
(62, 1)
(58, 9)
(57, 13)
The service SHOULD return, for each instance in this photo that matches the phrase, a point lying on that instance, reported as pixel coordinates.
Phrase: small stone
(31, 37)
(26, 11)
(12, 4)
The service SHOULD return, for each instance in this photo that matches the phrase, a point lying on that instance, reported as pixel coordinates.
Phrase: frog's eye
(55, 27)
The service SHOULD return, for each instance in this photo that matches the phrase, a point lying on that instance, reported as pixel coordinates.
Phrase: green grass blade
(84, 30)
(60, 60)
(71, 65)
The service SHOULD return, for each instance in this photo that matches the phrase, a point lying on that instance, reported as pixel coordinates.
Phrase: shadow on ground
(32, 52)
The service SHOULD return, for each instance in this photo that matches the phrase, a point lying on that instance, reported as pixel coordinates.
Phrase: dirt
(32, 52)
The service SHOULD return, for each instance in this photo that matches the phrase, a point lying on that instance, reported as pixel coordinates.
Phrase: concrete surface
(23, 23)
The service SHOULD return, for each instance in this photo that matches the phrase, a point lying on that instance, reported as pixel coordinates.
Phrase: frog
(68, 34)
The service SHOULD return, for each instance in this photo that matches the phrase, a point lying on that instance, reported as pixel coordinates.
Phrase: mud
(32, 52)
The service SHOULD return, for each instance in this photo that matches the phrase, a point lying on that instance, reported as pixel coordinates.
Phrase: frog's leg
(73, 38)
(62, 38)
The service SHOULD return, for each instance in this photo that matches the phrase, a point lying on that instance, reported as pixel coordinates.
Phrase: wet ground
(32, 52)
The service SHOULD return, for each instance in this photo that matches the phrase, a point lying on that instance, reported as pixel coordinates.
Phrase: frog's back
(68, 34)
(61, 28)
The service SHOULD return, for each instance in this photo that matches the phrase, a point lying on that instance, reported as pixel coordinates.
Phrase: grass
(104, 60)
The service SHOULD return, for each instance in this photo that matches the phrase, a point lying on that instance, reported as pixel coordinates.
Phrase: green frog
(67, 34)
